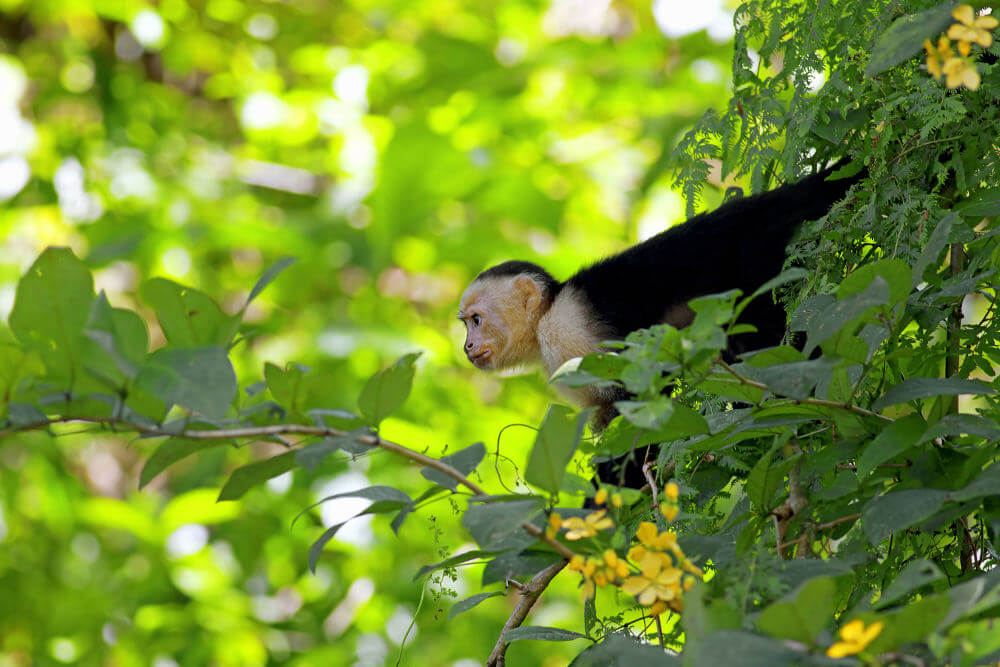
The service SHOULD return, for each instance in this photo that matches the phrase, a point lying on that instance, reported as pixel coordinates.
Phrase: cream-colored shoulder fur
(567, 330)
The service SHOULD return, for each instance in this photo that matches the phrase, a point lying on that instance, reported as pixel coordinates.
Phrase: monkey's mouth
(480, 360)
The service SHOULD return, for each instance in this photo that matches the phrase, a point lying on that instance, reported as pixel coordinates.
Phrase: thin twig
(805, 401)
(529, 594)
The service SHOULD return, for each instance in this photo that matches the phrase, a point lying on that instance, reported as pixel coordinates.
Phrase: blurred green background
(395, 148)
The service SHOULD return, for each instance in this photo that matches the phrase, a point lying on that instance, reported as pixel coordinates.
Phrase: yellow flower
(672, 491)
(654, 583)
(616, 499)
(854, 638)
(611, 558)
(621, 569)
(647, 533)
(577, 528)
(970, 28)
(555, 522)
(667, 540)
(960, 72)
(576, 563)
(937, 56)
(669, 511)
(601, 497)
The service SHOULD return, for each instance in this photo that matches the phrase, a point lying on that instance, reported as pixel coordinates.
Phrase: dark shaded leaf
(914, 388)
(387, 390)
(541, 633)
(554, 446)
(491, 524)
(915, 575)
(464, 461)
(199, 379)
(452, 561)
(897, 511)
(894, 439)
(270, 274)
(906, 35)
(982, 204)
(245, 478)
(170, 452)
(470, 602)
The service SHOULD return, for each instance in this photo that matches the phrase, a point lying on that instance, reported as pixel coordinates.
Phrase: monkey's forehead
(478, 293)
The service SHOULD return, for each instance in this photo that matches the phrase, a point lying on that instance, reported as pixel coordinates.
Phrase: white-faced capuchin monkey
(516, 313)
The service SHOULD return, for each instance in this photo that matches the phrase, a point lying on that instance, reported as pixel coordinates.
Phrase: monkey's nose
(468, 345)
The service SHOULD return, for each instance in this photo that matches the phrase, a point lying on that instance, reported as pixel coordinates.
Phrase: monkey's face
(500, 317)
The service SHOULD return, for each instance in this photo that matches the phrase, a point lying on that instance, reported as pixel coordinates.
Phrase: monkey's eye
(476, 320)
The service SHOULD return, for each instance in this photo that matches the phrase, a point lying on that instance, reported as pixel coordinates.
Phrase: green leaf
(541, 633)
(894, 439)
(914, 388)
(982, 204)
(734, 647)
(51, 307)
(512, 564)
(199, 379)
(464, 557)
(650, 414)
(270, 274)
(796, 379)
(464, 461)
(804, 615)
(897, 274)
(554, 446)
(764, 478)
(846, 310)
(312, 455)
(986, 484)
(120, 333)
(387, 390)
(468, 603)
(728, 386)
(963, 424)
(245, 478)
(286, 384)
(170, 452)
(188, 317)
(492, 524)
(906, 36)
(935, 244)
(897, 511)
(619, 651)
(915, 575)
(384, 495)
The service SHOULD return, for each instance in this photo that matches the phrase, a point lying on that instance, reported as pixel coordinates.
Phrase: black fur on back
(741, 245)
(550, 285)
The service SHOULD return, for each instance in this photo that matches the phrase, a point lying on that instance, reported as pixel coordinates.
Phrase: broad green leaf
(383, 495)
(512, 564)
(963, 424)
(464, 557)
(906, 35)
(170, 452)
(897, 275)
(270, 274)
(787, 276)
(188, 317)
(846, 310)
(491, 524)
(317, 547)
(899, 510)
(914, 388)
(554, 446)
(51, 307)
(986, 484)
(651, 414)
(387, 390)
(312, 455)
(796, 379)
(684, 422)
(120, 333)
(619, 651)
(541, 633)
(801, 617)
(912, 623)
(286, 385)
(465, 461)
(199, 379)
(734, 647)
(728, 386)
(915, 575)
(468, 603)
(935, 244)
(894, 439)
(982, 204)
(245, 478)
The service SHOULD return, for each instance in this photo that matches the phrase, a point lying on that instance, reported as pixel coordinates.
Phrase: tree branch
(529, 594)
(805, 401)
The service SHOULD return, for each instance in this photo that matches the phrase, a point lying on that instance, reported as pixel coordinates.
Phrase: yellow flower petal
(964, 48)
(647, 597)
(870, 633)
(621, 569)
(633, 585)
(647, 533)
(576, 563)
(852, 631)
(964, 14)
(611, 558)
(672, 491)
(601, 496)
(841, 650)
(986, 22)
(636, 553)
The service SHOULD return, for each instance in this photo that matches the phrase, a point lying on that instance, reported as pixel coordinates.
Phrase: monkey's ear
(530, 292)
